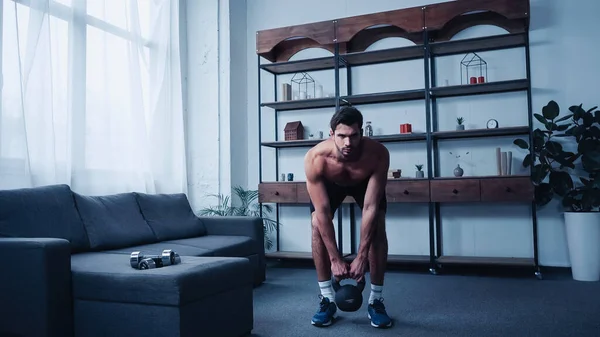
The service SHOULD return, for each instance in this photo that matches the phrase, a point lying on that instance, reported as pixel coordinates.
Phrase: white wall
(216, 97)
(562, 48)
(202, 99)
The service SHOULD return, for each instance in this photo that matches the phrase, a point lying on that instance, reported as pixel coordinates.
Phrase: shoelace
(324, 305)
(378, 306)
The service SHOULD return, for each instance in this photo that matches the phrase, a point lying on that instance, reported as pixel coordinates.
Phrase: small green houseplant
(552, 170)
(420, 173)
(249, 206)
(460, 123)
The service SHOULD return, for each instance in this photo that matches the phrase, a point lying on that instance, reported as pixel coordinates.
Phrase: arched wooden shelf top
(355, 34)
(446, 19)
(366, 37)
(460, 23)
(284, 50)
(408, 21)
(279, 44)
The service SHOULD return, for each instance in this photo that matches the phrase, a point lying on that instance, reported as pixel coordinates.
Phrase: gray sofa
(65, 266)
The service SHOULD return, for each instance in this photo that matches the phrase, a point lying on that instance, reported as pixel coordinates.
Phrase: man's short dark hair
(347, 115)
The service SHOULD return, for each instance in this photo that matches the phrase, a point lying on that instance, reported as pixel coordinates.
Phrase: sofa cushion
(113, 221)
(221, 245)
(44, 212)
(109, 277)
(170, 216)
(158, 247)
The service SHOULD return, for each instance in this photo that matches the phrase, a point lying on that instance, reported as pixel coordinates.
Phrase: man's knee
(313, 220)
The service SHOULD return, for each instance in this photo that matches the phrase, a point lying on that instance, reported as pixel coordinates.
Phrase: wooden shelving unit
(431, 28)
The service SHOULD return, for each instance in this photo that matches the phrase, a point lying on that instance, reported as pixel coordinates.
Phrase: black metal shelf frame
(428, 52)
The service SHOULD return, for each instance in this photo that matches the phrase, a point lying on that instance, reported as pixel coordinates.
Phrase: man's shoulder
(315, 157)
(376, 148)
(318, 151)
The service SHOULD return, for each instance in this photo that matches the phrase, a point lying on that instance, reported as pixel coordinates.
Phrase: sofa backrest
(113, 221)
(170, 216)
(47, 211)
(92, 223)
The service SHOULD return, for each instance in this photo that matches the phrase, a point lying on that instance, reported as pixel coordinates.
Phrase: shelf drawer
(458, 190)
(507, 189)
(302, 193)
(277, 192)
(407, 191)
(304, 198)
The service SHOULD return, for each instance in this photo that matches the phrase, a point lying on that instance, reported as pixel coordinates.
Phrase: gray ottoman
(202, 296)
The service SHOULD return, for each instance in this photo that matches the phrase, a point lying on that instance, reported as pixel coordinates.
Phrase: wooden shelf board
(289, 255)
(481, 88)
(312, 142)
(385, 55)
(400, 137)
(385, 97)
(293, 143)
(317, 64)
(475, 260)
(504, 41)
(392, 258)
(312, 103)
(481, 177)
(506, 131)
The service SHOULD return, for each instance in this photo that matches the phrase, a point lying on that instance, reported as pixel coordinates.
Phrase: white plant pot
(583, 239)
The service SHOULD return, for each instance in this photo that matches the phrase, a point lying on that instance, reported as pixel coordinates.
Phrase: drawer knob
(276, 192)
(508, 189)
(405, 192)
(455, 191)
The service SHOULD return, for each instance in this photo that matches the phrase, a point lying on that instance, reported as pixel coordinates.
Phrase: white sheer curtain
(92, 96)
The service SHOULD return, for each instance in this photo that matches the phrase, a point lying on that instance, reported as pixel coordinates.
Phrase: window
(76, 82)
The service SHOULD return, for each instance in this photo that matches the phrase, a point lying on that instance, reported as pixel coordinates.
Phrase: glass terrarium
(473, 69)
(303, 85)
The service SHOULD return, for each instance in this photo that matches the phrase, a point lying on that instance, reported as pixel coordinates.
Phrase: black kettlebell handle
(336, 284)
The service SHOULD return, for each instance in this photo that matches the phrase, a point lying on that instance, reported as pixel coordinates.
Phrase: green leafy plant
(419, 167)
(460, 120)
(553, 168)
(249, 206)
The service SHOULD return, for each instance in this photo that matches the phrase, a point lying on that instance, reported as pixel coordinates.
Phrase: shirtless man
(347, 164)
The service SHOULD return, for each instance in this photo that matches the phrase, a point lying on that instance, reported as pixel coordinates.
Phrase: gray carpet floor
(422, 304)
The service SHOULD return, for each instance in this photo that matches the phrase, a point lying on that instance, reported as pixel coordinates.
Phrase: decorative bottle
(368, 130)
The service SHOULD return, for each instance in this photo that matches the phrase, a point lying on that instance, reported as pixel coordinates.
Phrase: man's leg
(327, 308)
(378, 254)
(319, 253)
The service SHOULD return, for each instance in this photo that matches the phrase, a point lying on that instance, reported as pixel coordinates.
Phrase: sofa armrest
(236, 225)
(35, 287)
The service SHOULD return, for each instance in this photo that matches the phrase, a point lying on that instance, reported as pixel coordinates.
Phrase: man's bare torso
(327, 164)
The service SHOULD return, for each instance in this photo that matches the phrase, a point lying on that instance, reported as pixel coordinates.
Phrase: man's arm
(318, 196)
(375, 191)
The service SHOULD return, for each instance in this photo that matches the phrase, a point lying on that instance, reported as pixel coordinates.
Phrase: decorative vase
(460, 127)
(583, 235)
(458, 171)
(420, 174)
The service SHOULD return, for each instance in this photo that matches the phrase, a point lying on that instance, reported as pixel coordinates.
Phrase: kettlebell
(348, 297)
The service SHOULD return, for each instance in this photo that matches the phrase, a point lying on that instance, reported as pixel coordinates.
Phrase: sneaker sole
(323, 324)
(379, 326)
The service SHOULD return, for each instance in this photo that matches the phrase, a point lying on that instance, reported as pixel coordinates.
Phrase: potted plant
(553, 170)
(248, 207)
(420, 173)
(460, 125)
